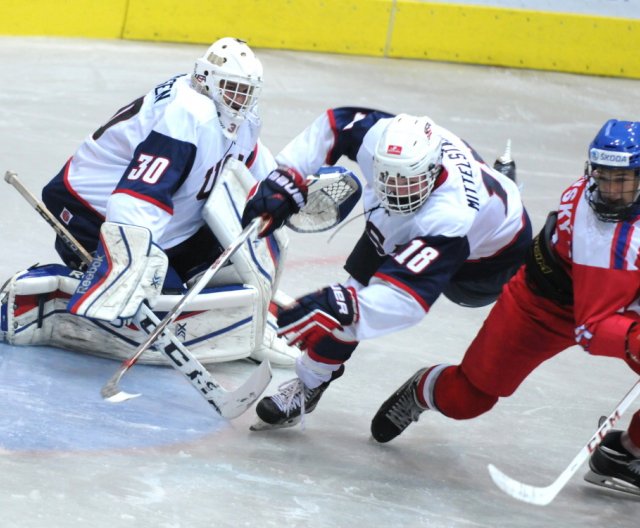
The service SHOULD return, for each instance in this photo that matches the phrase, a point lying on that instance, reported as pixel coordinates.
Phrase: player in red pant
(591, 244)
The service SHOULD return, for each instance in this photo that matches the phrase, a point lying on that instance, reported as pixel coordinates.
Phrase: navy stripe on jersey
(349, 125)
(621, 245)
(474, 152)
(159, 166)
(81, 221)
(494, 188)
(424, 266)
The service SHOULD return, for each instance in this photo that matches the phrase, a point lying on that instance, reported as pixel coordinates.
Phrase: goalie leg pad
(274, 348)
(127, 269)
(257, 263)
(219, 325)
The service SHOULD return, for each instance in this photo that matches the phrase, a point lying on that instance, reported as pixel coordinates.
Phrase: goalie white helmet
(231, 75)
(406, 163)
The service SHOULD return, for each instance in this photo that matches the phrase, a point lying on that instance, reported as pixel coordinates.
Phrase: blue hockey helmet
(613, 171)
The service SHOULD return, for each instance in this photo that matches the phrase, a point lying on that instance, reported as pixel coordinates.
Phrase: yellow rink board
(517, 38)
(63, 18)
(401, 29)
(356, 27)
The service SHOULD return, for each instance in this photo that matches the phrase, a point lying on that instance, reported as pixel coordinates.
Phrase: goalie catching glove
(313, 321)
(281, 194)
(127, 269)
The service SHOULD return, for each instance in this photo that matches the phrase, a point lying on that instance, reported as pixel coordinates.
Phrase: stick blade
(238, 401)
(520, 491)
(111, 391)
(119, 397)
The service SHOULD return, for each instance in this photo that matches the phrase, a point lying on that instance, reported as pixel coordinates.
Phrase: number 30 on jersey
(149, 168)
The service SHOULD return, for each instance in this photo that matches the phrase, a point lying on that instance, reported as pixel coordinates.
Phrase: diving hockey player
(438, 220)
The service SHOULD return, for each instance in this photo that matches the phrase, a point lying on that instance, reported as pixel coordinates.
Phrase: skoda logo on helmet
(604, 157)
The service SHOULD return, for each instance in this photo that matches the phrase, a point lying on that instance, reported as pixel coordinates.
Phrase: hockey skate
(613, 467)
(505, 165)
(400, 409)
(288, 406)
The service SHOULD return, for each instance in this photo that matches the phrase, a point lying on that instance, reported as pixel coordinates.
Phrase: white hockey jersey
(474, 215)
(153, 165)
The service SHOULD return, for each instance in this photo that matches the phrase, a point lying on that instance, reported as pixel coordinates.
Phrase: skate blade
(261, 425)
(611, 483)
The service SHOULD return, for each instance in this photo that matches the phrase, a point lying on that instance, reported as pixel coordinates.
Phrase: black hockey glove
(282, 193)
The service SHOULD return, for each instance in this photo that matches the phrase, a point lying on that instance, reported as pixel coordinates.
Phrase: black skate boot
(505, 164)
(612, 466)
(397, 413)
(287, 407)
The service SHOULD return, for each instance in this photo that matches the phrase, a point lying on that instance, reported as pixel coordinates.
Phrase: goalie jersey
(153, 165)
(473, 216)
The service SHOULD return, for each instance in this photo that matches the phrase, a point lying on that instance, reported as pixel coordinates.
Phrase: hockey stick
(544, 495)
(111, 390)
(12, 179)
(227, 404)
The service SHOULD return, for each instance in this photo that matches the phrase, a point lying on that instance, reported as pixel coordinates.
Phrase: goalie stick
(228, 404)
(544, 495)
(111, 391)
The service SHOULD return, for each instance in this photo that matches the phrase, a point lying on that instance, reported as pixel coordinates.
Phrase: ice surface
(165, 460)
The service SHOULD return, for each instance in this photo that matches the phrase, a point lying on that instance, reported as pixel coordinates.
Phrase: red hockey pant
(522, 331)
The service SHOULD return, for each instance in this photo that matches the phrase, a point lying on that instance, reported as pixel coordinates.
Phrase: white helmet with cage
(231, 75)
(406, 163)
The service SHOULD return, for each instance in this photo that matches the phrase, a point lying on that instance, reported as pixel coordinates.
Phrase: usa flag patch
(66, 216)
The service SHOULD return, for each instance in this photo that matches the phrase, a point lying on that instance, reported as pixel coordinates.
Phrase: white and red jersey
(153, 165)
(473, 214)
(603, 259)
(524, 328)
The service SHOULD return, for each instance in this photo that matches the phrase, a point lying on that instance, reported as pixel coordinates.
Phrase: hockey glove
(282, 193)
(316, 316)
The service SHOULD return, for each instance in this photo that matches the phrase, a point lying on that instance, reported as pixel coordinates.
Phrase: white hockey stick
(227, 404)
(157, 327)
(544, 495)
